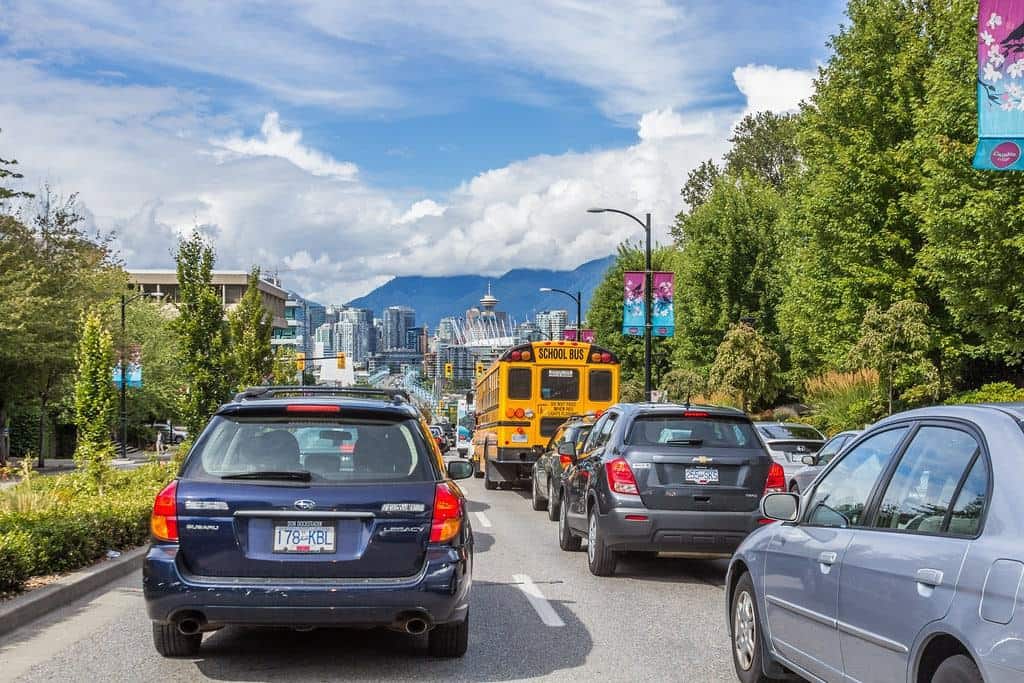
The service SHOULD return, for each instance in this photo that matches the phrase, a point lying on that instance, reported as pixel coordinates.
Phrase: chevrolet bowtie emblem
(701, 459)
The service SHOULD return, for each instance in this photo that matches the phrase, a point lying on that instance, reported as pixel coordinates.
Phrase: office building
(398, 320)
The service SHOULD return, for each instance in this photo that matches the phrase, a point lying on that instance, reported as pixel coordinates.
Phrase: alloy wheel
(744, 630)
(592, 537)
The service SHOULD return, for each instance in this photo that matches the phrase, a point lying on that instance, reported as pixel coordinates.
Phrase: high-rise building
(316, 315)
(486, 321)
(446, 330)
(551, 324)
(325, 335)
(397, 321)
(346, 338)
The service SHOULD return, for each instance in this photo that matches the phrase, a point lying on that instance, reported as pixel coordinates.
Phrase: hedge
(75, 525)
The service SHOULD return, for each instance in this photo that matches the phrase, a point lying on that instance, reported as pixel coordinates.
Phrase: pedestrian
(159, 442)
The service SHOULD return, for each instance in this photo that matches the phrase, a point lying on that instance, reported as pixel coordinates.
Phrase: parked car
(902, 562)
(258, 530)
(662, 477)
(789, 442)
(173, 434)
(815, 463)
(549, 468)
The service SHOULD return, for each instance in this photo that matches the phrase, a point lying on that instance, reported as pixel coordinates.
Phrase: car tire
(567, 540)
(170, 642)
(449, 640)
(477, 472)
(489, 484)
(745, 633)
(957, 669)
(600, 558)
(554, 502)
(536, 502)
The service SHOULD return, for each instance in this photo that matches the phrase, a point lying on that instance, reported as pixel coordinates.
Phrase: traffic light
(300, 361)
(449, 371)
(480, 369)
(341, 360)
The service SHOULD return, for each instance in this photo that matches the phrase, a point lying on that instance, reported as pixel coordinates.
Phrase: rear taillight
(776, 481)
(164, 520)
(565, 461)
(447, 518)
(620, 477)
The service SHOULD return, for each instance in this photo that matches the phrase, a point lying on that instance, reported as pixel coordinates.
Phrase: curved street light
(578, 298)
(648, 302)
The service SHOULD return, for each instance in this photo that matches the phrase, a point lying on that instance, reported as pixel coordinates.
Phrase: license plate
(702, 475)
(304, 536)
(520, 438)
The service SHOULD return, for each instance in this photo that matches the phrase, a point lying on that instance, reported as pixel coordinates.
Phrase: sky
(339, 143)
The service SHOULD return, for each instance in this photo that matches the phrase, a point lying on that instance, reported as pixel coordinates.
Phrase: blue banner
(1000, 85)
(133, 374)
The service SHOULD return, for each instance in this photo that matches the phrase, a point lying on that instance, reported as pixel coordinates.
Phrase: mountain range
(434, 298)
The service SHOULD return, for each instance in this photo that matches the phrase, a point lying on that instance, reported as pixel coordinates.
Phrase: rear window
(600, 385)
(332, 451)
(558, 384)
(710, 432)
(520, 383)
(791, 432)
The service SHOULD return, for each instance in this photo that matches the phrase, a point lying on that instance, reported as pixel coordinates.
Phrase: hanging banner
(1000, 85)
(133, 373)
(663, 318)
(586, 335)
(633, 314)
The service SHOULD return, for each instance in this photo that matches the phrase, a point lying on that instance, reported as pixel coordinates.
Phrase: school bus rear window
(519, 383)
(600, 385)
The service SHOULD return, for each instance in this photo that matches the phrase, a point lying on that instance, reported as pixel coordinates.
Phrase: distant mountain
(434, 298)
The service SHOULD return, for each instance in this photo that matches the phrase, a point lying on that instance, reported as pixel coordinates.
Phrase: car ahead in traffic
(902, 562)
(551, 465)
(815, 463)
(789, 442)
(439, 437)
(665, 478)
(255, 530)
(463, 438)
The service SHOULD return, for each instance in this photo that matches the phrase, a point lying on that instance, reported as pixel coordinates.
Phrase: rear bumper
(702, 534)
(439, 594)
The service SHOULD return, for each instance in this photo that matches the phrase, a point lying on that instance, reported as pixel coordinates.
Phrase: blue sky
(343, 142)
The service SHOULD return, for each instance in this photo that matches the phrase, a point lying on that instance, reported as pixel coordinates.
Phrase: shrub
(844, 400)
(15, 549)
(997, 392)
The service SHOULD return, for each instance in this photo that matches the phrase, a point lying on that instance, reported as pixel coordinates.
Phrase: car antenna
(686, 403)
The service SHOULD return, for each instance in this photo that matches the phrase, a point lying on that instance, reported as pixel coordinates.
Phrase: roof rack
(394, 395)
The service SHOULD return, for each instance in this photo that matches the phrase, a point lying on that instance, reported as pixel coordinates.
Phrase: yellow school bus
(524, 396)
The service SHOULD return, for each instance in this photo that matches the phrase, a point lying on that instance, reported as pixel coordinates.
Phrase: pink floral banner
(1000, 85)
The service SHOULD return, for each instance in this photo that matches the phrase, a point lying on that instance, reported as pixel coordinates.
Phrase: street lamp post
(648, 294)
(578, 298)
(124, 368)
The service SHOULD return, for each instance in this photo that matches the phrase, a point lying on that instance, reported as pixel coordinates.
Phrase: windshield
(327, 451)
(676, 430)
(791, 432)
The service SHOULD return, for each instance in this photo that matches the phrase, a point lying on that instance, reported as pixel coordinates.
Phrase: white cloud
(421, 209)
(769, 88)
(287, 145)
(662, 124)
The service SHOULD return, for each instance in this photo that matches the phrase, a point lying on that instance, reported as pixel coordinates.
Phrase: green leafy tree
(201, 334)
(8, 172)
(699, 183)
(95, 398)
(150, 325)
(250, 326)
(684, 384)
(896, 342)
(284, 370)
(764, 145)
(746, 366)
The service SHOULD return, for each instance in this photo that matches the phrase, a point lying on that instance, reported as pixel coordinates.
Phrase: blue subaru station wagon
(312, 506)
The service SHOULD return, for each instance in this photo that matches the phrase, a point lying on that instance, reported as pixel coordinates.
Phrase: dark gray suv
(665, 478)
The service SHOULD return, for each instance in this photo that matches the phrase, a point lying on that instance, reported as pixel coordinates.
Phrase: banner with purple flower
(1000, 85)
(663, 317)
(633, 314)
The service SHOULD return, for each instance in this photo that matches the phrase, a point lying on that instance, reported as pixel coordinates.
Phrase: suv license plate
(304, 536)
(702, 475)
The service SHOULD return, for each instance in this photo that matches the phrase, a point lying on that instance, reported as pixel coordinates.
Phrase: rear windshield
(702, 432)
(330, 450)
(557, 384)
(791, 432)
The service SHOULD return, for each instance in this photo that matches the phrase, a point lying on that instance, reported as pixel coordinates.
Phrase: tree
(764, 145)
(682, 384)
(699, 182)
(896, 343)
(7, 174)
(747, 366)
(149, 325)
(95, 399)
(201, 333)
(250, 326)
(284, 370)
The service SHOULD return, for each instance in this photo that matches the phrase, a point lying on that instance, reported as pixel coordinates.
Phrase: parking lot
(536, 613)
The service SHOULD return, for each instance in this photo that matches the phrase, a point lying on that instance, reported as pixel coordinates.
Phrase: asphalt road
(656, 620)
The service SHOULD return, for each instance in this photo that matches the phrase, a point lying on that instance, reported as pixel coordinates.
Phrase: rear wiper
(685, 442)
(301, 475)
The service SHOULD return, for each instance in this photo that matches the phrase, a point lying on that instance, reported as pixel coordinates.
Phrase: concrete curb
(18, 611)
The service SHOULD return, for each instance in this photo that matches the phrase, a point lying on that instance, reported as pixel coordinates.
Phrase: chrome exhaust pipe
(416, 626)
(189, 626)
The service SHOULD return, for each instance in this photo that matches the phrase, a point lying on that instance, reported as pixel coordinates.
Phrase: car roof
(656, 408)
(968, 411)
(274, 399)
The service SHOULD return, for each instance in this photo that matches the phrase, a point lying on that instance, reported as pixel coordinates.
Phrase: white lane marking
(483, 519)
(540, 604)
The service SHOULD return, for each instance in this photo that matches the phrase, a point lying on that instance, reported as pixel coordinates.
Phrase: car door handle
(828, 557)
(929, 577)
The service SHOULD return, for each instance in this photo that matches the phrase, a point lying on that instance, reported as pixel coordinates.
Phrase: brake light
(595, 357)
(520, 413)
(164, 520)
(565, 461)
(447, 519)
(306, 408)
(776, 481)
(527, 355)
(695, 413)
(606, 358)
(620, 477)
(517, 355)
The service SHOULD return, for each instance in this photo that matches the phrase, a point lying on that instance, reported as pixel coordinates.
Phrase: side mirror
(784, 507)
(810, 460)
(460, 469)
(567, 448)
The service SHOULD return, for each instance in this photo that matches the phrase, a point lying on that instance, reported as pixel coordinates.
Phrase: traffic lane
(663, 617)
